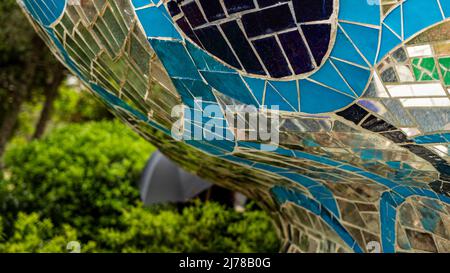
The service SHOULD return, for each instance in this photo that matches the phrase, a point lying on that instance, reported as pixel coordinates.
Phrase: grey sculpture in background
(163, 181)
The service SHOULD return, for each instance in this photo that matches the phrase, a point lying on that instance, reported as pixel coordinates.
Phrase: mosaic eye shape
(274, 38)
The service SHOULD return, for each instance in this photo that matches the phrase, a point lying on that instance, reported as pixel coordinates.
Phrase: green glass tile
(425, 69)
(444, 64)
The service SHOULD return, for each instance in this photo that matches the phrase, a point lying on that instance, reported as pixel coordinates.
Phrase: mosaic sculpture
(362, 89)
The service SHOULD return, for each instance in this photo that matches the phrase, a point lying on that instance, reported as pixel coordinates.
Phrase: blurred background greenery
(69, 171)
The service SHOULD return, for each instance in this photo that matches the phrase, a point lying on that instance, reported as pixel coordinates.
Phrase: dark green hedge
(83, 175)
(79, 183)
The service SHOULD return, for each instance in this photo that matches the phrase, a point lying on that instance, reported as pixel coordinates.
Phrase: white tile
(420, 51)
(426, 102)
(416, 90)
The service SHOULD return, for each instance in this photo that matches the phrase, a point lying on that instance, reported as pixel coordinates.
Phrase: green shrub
(81, 180)
(200, 227)
(75, 105)
(81, 175)
(33, 235)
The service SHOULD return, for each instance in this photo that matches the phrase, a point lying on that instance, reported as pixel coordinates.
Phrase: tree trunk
(18, 96)
(51, 94)
(10, 120)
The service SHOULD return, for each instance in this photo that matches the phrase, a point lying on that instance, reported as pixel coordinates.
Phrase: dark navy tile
(242, 47)
(440, 164)
(375, 124)
(266, 3)
(272, 57)
(354, 113)
(312, 10)
(215, 43)
(396, 136)
(212, 9)
(186, 28)
(234, 6)
(440, 187)
(173, 8)
(296, 51)
(318, 38)
(193, 14)
(268, 21)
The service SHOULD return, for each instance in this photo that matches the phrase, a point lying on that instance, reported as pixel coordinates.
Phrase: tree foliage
(26, 69)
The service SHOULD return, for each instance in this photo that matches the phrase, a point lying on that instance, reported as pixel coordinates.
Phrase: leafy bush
(200, 227)
(81, 180)
(82, 175)
(31, 234)
(75, 105)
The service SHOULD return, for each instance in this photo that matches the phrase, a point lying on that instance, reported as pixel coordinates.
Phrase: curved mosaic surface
(266, 37)
(363, 154)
